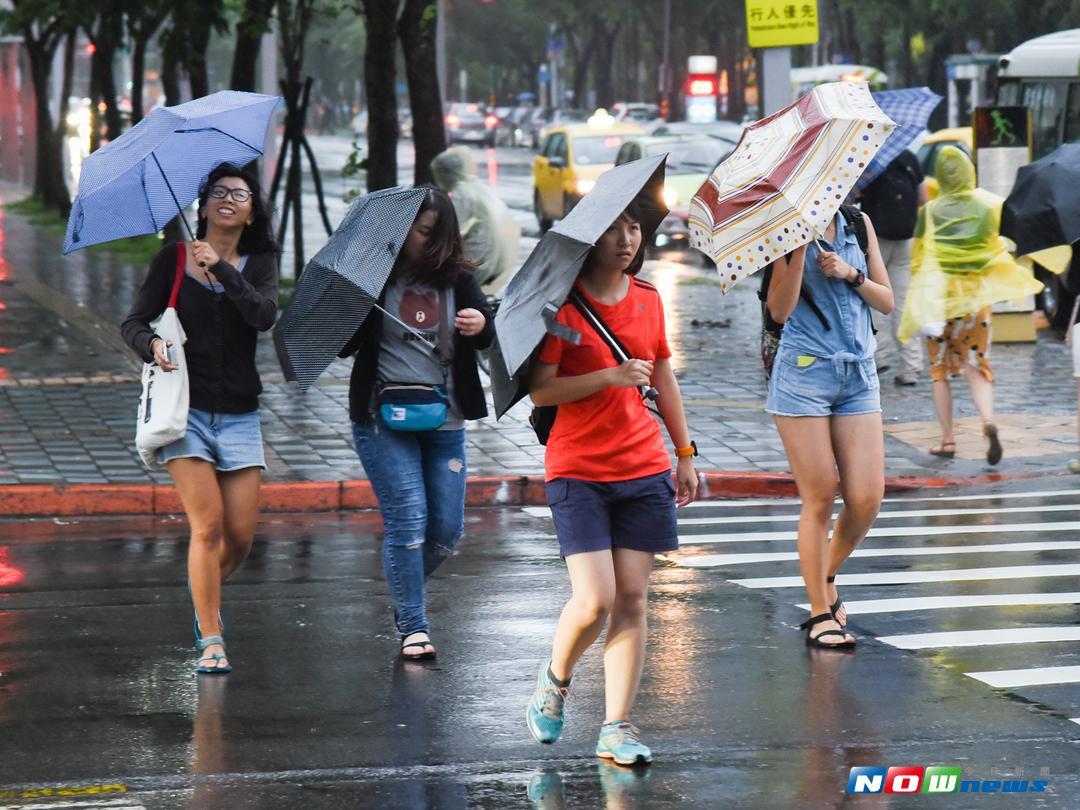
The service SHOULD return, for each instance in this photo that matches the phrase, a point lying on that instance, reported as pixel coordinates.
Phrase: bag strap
(181, 268)
(854, 218)
(592, 317)
(804, 294)
(441, 348)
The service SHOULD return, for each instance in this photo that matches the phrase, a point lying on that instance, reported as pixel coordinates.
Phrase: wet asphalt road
(96, 687)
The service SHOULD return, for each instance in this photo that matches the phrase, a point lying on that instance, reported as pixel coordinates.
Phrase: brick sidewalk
(68, 393)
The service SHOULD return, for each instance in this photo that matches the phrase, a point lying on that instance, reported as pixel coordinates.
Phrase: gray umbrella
(540, 287)
(343, 281)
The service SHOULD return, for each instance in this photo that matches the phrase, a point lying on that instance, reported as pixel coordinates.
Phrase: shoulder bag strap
(618, 350)
(181, 268)
(442, 348)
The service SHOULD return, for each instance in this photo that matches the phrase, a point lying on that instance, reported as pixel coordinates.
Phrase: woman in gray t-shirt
(423, 349)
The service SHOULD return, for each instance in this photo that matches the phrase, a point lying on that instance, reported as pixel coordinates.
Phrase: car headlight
(671, 196)
(585, 186)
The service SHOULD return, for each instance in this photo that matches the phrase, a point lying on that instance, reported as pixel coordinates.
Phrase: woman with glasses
(228, 294)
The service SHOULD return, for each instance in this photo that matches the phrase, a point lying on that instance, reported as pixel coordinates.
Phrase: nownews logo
(936, 780)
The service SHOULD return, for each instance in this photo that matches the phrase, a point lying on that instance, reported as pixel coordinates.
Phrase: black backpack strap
(804, 294)
(618, 350)
(854, 219)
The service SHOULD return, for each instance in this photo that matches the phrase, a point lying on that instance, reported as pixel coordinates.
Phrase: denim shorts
(638, 514)
(229, 441)
(843, 385)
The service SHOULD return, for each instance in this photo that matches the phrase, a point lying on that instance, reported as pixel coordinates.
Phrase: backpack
(770, 329)
(891, 200)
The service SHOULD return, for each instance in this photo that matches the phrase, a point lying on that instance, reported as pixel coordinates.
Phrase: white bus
(807, 78)
(1043, 74)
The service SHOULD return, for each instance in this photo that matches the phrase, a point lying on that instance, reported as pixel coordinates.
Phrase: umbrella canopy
(343, 281)
(786, 179)
(540, 287)
(1043, 209)
(910, 108)
(137, 183)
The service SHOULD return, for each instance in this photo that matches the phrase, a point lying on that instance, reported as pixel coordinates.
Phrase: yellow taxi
(571, 158)
(960, 137)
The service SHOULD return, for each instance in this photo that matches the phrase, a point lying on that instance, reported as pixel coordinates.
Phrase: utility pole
(440, 49)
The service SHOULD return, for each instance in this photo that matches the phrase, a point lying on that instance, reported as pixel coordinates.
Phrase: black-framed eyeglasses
(240, 195)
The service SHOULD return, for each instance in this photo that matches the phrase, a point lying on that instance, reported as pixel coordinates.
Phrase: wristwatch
(860, 277)
(686, 452)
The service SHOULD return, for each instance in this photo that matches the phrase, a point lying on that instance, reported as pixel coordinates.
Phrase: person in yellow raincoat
(960, 267)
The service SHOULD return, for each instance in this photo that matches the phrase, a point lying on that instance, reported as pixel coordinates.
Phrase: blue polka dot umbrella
(137, 183)
(786, 179)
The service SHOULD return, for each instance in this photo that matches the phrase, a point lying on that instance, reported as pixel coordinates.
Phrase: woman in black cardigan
(228, 295)
(440, 318)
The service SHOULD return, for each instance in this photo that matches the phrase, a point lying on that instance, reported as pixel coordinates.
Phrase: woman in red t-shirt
(609, 482)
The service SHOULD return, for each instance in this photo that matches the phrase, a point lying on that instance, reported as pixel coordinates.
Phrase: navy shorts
(638, 514)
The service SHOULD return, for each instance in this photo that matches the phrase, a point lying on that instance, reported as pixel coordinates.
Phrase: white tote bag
(163, 406)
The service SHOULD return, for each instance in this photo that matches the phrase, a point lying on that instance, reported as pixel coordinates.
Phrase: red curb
(35, 500)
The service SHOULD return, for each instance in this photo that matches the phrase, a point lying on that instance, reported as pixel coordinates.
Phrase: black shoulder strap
(804, 294)
(592, 317)
(854, 219)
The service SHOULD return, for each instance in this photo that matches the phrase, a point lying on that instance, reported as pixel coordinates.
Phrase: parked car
(546, 119)
(468, 123)
(511, 127)
(636, 112)
(690, 161)
(572, 158)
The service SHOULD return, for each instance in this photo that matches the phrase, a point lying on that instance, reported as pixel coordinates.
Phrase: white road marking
(920, 603)
(1039, 676)
(892, 531)
(980, 638)
(916, 577)
(889, 515)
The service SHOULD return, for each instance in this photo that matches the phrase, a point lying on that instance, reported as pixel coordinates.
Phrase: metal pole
(665, 63)
(440, 49)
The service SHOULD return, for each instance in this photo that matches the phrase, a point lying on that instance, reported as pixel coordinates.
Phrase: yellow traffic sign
(779, 23)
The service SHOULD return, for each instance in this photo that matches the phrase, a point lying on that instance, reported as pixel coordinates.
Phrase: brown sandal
(994, 451)
(943, 450)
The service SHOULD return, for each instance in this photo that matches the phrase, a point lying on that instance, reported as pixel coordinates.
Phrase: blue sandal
(210, 641)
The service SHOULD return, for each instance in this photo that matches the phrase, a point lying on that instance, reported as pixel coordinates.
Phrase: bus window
(1046, 100)
(1008, 94)
(1072, 114)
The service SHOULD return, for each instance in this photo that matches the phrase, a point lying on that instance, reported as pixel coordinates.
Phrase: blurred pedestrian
(414, 384)
(892, 201)
(228, 295)
(825, 397)
(1073, 340)
(609, 482)
(960, 267)
(492, 237)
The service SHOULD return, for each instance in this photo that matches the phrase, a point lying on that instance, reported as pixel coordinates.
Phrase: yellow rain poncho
(959, 262)
(491, 236)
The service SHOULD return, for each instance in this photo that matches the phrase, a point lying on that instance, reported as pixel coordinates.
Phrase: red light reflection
(9, 574)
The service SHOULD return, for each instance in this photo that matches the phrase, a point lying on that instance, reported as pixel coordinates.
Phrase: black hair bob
(444, 262)
(632, 212)
(258, 237)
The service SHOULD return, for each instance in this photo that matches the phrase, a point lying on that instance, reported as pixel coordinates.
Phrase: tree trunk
(602, 64)
(380, 17)
(196, 61)
(170, 68)
(103, 77)
(417, 31)
(253, 24)
(49, 184)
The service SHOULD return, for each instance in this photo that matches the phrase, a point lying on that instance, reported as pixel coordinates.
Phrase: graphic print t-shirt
(609, 435)
(403, 357)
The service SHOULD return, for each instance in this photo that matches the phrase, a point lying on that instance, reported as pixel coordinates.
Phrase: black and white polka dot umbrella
(343, 281)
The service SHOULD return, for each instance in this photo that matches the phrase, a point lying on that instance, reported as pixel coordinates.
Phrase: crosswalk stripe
(916, 577)
(888, 515)
(980, 638)
(1039, 676)
(712, 560)
(1075, 719)
(862, 607)
(892, 531)
(737, 503)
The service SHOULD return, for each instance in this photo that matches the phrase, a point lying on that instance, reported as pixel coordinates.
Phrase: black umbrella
(343, 281)
(1043, 209)
(540, 287)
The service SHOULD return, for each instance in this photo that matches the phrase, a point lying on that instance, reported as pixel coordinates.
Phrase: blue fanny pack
(413, 407)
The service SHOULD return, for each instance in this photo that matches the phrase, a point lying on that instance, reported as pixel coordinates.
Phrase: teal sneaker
(619, 742)
(546, 712)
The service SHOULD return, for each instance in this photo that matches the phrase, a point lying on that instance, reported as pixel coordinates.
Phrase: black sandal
(834, 608)
(427, 655)
(815, 641)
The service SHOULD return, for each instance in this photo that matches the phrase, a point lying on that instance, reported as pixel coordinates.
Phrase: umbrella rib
(221, 132)
(168, 185)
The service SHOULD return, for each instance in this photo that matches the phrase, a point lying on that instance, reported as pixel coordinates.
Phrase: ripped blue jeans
(419, 480)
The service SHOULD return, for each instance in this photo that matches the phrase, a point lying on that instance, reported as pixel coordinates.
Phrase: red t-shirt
(609, 435)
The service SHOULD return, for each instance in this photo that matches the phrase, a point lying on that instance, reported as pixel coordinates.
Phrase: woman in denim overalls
(824, 396)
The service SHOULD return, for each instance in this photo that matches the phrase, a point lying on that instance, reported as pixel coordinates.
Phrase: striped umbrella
(786, 179)
(910, 108)
(137, 183)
